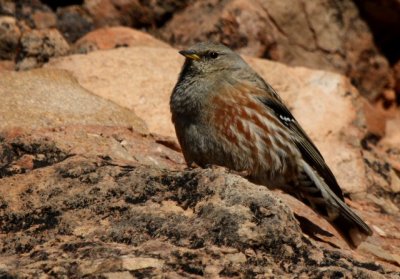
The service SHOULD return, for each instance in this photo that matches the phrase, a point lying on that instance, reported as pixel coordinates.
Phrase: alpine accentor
(225, 114)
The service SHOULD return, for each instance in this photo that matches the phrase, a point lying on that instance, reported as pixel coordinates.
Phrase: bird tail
(316, 193)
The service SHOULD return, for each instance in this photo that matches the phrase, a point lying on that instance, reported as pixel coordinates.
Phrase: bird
(226, 114)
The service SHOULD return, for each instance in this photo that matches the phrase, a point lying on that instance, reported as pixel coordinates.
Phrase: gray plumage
(225, 114)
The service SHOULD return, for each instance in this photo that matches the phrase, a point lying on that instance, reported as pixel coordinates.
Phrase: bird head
(207, 57)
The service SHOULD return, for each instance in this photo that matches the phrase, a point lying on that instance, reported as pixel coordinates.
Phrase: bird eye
(213, 54)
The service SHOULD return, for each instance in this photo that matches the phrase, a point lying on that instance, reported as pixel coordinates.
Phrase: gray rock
(9, 37)
(37, 46)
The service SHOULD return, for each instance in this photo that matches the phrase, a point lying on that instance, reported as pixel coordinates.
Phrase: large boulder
(50, 97)
(138, 78)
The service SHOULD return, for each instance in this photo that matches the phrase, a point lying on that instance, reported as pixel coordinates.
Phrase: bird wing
(307, 148)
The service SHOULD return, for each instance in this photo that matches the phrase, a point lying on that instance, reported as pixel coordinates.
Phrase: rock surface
(114, 37)
(396, 70)
(73, 22)
(92, 212)
(142, 79)
(7, 65)
(134, 13)
(37, 46)
(50, 97)
(138, 78)
(44, 19)
(9, 37)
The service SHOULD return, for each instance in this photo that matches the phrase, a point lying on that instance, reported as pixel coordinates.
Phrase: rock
(381, 253)
(27, 151)
(103, 12)
(47, 98)
(54, 5)
(73, 22)
(392, 137)
(44, 19)
(118, 275)
(138, 78)
(133, 13)
(7, 7)
(383, 19)
(396, 70)
(142, 79)
(113, 13)
(82, 212)
(114, 37)
(317, 34)
(377, 115)
(162, 11)
(37, 46)
(7, 65)
(31, 13)
(141, 263)
(9, 37)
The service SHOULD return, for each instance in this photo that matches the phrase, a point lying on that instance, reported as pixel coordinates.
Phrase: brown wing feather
(307, 148)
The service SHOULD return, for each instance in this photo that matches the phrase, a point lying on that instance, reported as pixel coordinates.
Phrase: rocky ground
(92, 180)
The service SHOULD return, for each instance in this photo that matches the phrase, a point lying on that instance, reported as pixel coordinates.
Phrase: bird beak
(190, 54)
